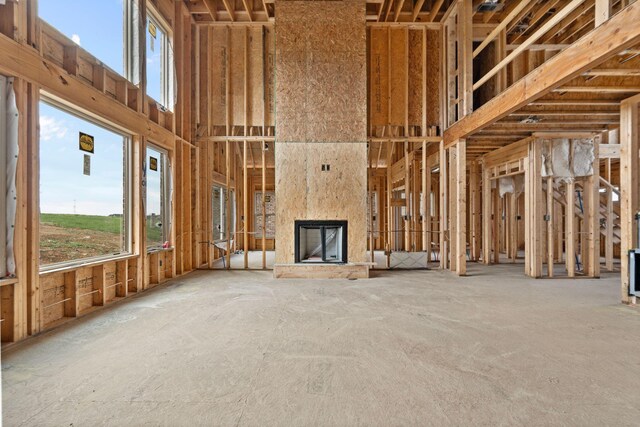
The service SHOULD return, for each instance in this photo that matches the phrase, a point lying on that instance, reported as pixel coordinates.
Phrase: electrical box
(634, 272)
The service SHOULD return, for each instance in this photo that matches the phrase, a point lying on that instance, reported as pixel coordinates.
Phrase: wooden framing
(571, 70)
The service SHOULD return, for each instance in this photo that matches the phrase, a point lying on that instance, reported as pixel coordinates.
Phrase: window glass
(83, 188)
(159, 60)
(98, 18)
(270, 214)
(219, 211)
(157, 203)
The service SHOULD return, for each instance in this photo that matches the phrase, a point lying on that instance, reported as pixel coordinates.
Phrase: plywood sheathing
(321, 118)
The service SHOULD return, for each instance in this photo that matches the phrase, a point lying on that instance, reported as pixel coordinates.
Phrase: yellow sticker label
(153, 30)
(153, 163)
(86, 142)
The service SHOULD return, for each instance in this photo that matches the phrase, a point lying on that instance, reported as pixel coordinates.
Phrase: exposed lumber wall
(403, 63)
(42, 59)
(235, 79)
(321, 67)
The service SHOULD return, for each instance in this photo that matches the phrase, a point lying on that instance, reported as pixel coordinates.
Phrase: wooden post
(443, 206)
(390, 235)
(228, 200)
(407, 200)
(264, 206)
(608, 249)
(629, 197)
(245, 205)
(513, 227)
(603, 11)
(474, 193)
(534, 211)
(570, 223)
(452, 197)
(370, 200)
(486, 215)
(497, 218)
(461, 199)
(592, 216)
(425, 201)
(550, 229)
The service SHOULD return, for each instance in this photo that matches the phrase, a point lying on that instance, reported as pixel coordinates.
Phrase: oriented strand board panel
(398, 76)
(434, 41)
(321, 100)
(416, 81)
(269, 83)
(321, 71)
(256, 77)
(237, 75)
(378, 76)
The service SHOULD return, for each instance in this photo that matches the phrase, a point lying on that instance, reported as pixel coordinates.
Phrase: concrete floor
(254, 261)
(405, 347)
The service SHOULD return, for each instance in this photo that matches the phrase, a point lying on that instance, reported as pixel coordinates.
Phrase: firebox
(321, 241)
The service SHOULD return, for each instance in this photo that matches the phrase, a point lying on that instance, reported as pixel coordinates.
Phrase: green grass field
(108, 224)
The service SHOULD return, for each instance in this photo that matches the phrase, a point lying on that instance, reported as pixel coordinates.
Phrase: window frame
(165, 197)
(167, 77)
(127, 206)
(223, 212)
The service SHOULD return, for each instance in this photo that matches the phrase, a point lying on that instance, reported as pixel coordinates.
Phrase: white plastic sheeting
(583, 155)
(511, 184)
(506, 185)
(12, 165)
(557, 163)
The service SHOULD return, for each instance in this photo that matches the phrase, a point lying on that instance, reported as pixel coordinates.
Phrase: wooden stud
(629, 185)
(461, 218)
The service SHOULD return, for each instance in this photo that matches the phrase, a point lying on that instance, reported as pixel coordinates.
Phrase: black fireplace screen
(321, 241)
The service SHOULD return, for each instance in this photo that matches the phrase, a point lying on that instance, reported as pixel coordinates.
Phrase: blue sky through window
(96, 25)
(63, 186)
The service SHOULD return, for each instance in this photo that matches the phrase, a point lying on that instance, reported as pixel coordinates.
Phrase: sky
(63, 186)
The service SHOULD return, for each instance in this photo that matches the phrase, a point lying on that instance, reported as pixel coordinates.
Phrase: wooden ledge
(321, 271)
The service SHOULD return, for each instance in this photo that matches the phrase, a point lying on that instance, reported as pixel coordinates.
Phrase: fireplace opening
(321, 242)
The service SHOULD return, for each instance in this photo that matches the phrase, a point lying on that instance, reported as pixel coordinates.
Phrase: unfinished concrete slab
(404, 347)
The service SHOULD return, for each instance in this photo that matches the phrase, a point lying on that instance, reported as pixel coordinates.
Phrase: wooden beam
(434, 11)
(229, 8)
(416, 10)
(555, 18)
(26, 62)
(210, 7)
(501, 26)
(621, 32)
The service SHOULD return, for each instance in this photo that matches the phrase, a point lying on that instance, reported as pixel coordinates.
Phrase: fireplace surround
(321, 242)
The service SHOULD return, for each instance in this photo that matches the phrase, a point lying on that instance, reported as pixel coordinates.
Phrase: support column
(461, 204)
(592, 217)
(486, 216)
(570, 224)
(534, 210)
(443, 207)
(550, 225)
(629, 197)
(475, 177)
